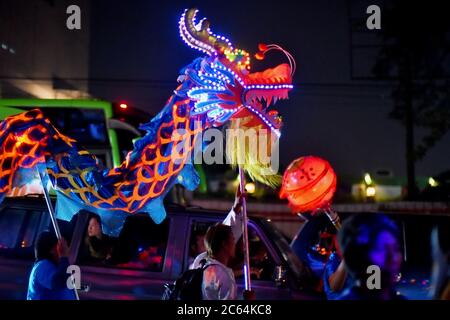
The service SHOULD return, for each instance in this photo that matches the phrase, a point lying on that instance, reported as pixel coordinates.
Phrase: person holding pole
(48, 278)
(335, 276)
(47, 247)
(220, 242)
(218, 279)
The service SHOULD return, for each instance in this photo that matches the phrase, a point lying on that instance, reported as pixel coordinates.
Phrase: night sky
(136, 54)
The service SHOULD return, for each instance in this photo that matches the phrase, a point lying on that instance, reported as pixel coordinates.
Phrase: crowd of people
(362, 241)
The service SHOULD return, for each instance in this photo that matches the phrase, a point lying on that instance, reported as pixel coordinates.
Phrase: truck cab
(147, 255)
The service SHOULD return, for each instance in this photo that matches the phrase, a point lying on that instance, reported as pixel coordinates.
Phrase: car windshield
(282, 245)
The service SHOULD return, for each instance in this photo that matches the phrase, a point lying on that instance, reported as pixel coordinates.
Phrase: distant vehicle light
(123, 105)
(433, 183)
(250, 187)
(368, 179)
(370, 192)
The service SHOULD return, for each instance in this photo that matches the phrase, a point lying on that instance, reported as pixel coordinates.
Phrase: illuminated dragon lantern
(214, 90)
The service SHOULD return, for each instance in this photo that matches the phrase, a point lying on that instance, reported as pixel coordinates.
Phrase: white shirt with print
(218, 279)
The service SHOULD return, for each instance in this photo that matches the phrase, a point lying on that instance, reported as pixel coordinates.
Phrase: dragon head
(223, 86)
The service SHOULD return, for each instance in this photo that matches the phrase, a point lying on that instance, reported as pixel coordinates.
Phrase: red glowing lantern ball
(262, 47)
(308, 184)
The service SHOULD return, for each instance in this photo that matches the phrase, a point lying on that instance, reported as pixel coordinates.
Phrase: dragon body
(213, 90)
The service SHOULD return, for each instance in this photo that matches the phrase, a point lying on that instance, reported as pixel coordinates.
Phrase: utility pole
(406, 78)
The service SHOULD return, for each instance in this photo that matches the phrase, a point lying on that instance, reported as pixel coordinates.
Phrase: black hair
(96, 217)
(215, 237)
(45, 242)
(358, 235)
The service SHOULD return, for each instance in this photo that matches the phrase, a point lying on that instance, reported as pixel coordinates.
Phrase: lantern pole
(333, 216)
(247, 279)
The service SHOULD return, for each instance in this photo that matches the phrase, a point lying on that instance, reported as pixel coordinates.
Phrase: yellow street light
(368, 179)
(250, 187)
(433, 183)
(370, 192)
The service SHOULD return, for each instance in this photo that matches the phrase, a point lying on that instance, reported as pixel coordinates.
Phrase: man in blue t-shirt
(48, 278)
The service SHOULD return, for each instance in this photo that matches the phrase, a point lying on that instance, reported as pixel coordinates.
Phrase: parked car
(145, 257)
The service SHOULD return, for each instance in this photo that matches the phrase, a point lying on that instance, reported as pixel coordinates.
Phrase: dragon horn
(199, 36)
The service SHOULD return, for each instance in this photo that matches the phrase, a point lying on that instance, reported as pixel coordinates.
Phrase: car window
(11, 222)
(261, 261)
(141, 245)
(30, 229)
(125, 140)
(279, 241)
(196, 239)
(262, 264)
(19, 229)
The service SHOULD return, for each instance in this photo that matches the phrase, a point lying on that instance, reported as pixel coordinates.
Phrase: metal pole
(50, 208)
(247, 273)
(334, 218)
(405, 253)
(55, 222)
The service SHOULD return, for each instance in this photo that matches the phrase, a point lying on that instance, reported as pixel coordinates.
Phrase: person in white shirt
(218, 279)
(220, 242)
